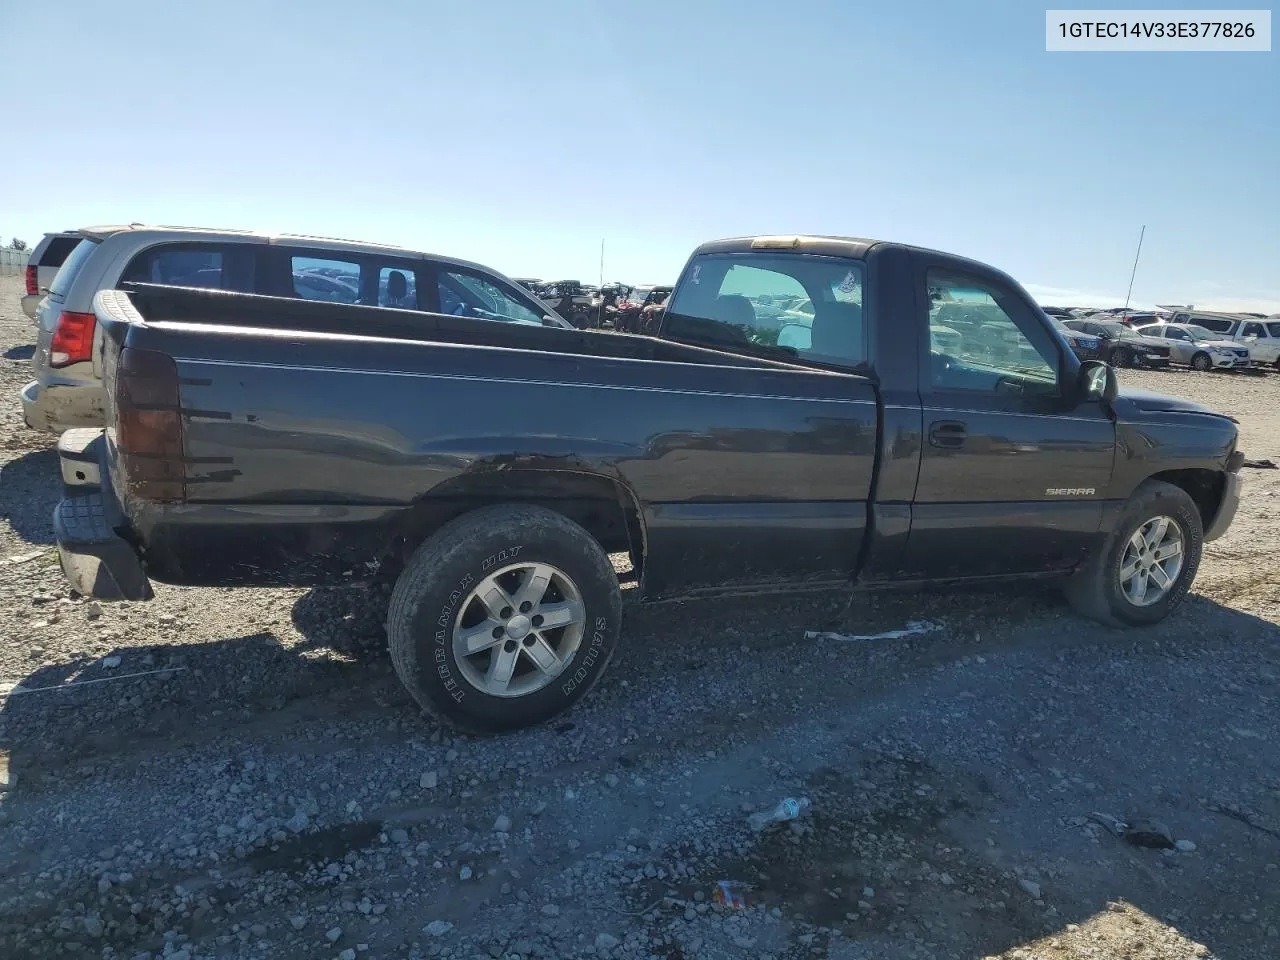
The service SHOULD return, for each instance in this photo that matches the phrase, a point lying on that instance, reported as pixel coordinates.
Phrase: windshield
(1120, 331)
(1200, 333)
(70, 268)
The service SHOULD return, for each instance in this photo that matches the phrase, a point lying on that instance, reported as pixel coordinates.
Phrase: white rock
(111, 662)
(399, 836)
(464, 873)
(1032, 888)
(1186, 846)
(297, 922)
(502, 824)
(334, 934)
(347, 954)
(429, 780)
(550, 910)
(437, 928)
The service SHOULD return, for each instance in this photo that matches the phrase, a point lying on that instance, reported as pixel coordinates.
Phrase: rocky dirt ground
(263, 788)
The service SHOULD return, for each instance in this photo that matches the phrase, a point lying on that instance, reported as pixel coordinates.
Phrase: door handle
(949, 434)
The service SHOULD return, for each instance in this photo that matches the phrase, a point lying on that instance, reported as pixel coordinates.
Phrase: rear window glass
(56, 253)
(214, 267)
(71, 268)
(810, 306)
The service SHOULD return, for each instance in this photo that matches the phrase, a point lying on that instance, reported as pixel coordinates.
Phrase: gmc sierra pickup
(813, 413)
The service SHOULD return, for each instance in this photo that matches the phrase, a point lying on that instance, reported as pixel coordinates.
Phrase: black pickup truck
(802, 420)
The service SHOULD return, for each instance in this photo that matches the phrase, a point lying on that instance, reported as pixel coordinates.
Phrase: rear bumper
(30, 302)
(56, 407)
(95, 558)
(1226, 509)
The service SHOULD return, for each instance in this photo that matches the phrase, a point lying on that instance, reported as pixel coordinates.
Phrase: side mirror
(1097, 382)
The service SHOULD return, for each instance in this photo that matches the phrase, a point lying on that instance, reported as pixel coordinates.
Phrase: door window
(981, 339)
(397, 287)
(1254, 330)
(465, 294)
(333, 281)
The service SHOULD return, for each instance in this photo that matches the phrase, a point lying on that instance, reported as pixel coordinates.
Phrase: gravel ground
(268, 790)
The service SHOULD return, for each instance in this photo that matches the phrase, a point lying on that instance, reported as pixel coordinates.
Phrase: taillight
(148, 426)
(72, 339)
(33, 282)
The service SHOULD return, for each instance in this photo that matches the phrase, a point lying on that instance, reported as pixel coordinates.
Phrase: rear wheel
(1201, 362)
(504, 618)
(1146, 565)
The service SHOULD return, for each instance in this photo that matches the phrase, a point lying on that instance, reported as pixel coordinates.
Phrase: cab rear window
(70, 268)
(806, 305)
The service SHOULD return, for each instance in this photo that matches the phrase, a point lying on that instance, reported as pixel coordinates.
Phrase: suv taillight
(33, 280)
(72, 339)
(148, 426)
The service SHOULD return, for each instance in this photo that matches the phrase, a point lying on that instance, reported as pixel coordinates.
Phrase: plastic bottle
(788, 809)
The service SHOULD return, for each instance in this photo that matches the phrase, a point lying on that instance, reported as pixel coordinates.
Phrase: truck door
(1013, 475)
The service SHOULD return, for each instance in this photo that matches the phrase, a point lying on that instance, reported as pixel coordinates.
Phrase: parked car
(571, 300)
(1199, 348)
(42, 267)
(720, 463)
(67, 391)
(1058, 313)
(1261, 338)
(631, 311)
(1086, 346)
(1122, 346)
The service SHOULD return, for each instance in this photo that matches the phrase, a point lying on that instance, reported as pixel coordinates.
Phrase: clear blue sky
(518, 133)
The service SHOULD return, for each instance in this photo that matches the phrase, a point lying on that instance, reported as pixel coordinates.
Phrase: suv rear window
(55, 254)
(71, 267)
(213, 266)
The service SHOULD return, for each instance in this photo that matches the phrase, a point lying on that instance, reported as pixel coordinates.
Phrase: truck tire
(1201, 362)
(494, 581)
(1160, 530)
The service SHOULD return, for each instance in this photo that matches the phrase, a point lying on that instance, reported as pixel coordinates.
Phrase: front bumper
(1230, 361)
(56, 407)
(1226, 509)
(95, 558)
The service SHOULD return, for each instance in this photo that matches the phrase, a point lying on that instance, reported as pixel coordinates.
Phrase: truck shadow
(32, 487)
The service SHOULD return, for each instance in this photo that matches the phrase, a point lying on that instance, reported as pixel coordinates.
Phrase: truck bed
(316, 434)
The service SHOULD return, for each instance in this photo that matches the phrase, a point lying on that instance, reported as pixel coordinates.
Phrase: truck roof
(855, 248)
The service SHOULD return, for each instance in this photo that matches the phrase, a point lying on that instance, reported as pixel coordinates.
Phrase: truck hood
(1148, 402)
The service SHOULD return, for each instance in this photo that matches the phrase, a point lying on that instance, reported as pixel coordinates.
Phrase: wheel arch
(1203, 485)
(606, 507)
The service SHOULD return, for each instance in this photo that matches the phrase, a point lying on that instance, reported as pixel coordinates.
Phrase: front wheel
(1121, 357)
(504, 618)
(1201, 362)
(1144, 568)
